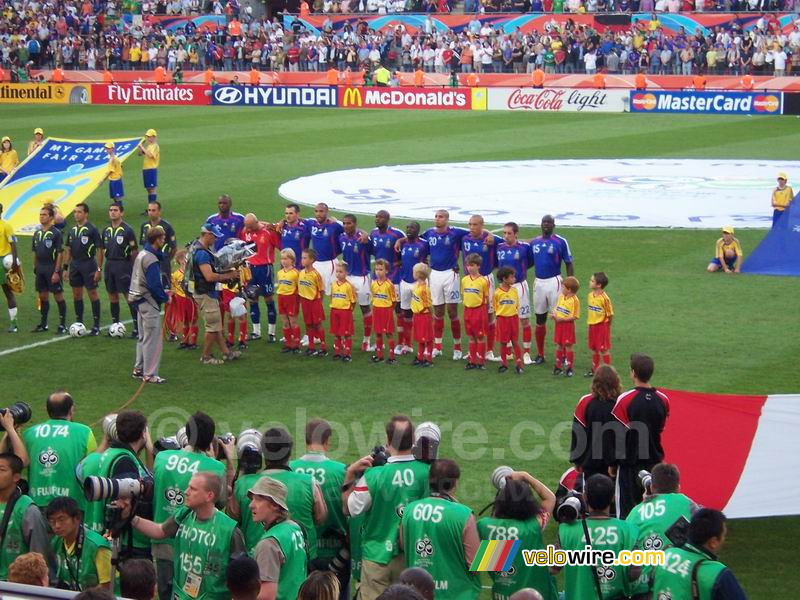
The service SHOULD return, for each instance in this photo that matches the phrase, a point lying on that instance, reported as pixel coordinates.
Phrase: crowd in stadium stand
(41, 36)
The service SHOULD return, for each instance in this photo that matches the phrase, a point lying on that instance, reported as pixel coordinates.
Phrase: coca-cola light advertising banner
(557, 99)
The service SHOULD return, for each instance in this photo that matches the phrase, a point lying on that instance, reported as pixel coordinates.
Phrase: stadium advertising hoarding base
(557, 100)
(152, 94)
(713, 103)
(45, 93)
(279, 95)
(411, 98)
(592, 193)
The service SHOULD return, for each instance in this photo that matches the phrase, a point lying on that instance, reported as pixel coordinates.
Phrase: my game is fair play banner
(62, 172)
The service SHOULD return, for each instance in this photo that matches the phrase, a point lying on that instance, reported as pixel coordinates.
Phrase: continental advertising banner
(708, 103)
(45, 93)
(280, 95)
(63, 172)
(557, 100)
(407, 97)
(144, 93)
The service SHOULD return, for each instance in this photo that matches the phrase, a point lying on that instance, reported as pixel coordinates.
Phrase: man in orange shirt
(332, 76)
(599, 80)
(58, 75)
(255, 77)
(235, 28)
(640, 81)
(419, 78)
(747, 82)
(699, 82)
(208, 76)
(107, 77)
(161, 75)
(538, 78)
(472, 80)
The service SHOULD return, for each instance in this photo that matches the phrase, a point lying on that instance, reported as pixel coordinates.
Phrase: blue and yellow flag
(63, 172)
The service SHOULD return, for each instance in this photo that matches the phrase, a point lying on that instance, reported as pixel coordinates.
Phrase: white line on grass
(60, 338)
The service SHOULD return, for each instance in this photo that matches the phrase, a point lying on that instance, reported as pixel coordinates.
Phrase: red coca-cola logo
(537, 100)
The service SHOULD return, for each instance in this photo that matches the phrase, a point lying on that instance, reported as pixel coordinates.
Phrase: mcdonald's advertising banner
(413, 98)
(62, 172)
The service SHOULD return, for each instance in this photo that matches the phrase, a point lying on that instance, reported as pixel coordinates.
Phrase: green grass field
(707, 333)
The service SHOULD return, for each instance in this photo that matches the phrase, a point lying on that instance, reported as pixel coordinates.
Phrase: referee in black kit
(119, 241)
(83, 245)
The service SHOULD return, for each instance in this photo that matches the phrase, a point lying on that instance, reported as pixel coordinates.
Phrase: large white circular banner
(595, 193)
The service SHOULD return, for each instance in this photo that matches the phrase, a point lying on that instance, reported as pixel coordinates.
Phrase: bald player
(266, 239)
(484, 244)
(325, 232)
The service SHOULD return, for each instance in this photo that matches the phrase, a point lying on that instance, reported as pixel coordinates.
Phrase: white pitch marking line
(60, 338)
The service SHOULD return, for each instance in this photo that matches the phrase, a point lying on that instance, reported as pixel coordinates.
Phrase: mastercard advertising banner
(710, 103)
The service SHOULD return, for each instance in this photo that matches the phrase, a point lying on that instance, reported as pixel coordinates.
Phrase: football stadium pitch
(710, 333)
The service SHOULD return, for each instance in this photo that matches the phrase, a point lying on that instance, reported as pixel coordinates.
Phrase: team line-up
(416, 276)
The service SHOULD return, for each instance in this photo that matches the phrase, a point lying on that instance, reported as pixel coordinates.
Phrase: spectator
(703, 573)
(439, 522)
(643, 411)
(29, 569)
(518, 514)
(27, 530)
(242, 578)
(320, 585)
(137, 580)
(83, 556)
(61, 438)
(378, 493)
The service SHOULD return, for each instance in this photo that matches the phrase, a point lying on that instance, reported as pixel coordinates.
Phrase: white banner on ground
(593, 193)
(557, 100)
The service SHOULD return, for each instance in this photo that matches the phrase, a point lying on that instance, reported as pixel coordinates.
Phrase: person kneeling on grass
(729, 253)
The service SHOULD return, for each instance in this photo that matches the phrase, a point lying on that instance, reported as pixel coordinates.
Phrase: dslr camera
(427, 437)
(20, 411)
(646, 481)
(248, 448)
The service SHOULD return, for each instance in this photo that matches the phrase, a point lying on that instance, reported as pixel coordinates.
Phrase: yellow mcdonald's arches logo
(352, 97)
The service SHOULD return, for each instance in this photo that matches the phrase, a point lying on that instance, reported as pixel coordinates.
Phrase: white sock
(12, 313)
(271, 328)
(366, 340)
(256, 328)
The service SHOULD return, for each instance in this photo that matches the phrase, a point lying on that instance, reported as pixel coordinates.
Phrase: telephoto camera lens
(110, 426)
(20, 411)
(499, 476)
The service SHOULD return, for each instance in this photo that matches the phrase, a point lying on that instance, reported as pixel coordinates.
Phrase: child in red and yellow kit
(383, 299)
(599, 317)
(422, 317)
(310, 288)
(506, 310)
(343, 300)
(475, 292)
(288, 300)
(566, 312)
(183, 312)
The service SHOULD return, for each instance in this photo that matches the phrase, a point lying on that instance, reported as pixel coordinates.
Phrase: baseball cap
(780, 175)
(150, 132)
(5, 139)
(109, 145)
(38, 130)
(272, 489)
(212, 229)
(727, 229)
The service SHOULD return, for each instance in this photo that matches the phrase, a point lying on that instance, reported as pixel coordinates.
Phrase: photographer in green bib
(304, 497)
(601, 531)
(22, 526)
(57, 446)
(693, 571)
(282, 553)
(204, 540)
(380, 487)
(663, 513)
(521, 511)
(172, 471)
(329, 475)
(440, 535)
(83, 556)
(121, 462)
